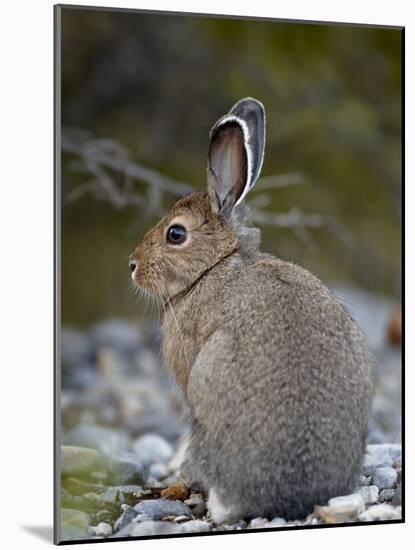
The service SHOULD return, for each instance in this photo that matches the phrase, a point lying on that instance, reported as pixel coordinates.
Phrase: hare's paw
(219, 512)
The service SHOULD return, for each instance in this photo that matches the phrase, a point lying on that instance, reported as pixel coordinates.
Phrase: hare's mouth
(148, 288)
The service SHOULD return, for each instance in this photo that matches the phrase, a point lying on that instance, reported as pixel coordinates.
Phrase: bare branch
(298, 221)
(108, 154)
(115, 175)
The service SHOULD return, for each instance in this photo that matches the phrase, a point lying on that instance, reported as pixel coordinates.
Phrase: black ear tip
(247, 104)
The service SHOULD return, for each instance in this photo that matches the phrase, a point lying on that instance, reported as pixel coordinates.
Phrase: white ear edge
(247, 146)
(245, 131)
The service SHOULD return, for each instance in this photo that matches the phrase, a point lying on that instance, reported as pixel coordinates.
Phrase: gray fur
(277, 376)
(280, 387)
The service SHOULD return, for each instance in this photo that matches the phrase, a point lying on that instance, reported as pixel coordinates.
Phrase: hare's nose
(133, 265)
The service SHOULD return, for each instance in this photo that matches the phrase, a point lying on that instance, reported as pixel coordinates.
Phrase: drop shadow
(42, 532)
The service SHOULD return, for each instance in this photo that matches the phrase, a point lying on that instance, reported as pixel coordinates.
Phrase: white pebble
(385, 453)
(102, 529)
(354, 502)
(380, 512)
(370, 494)
(258, 523)
(385, 478)
(277, 522)
(195, 526)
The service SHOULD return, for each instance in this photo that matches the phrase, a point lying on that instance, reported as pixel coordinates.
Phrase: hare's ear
(235, 154)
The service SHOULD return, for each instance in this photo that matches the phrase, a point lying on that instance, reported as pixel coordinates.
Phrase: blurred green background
(149, 87)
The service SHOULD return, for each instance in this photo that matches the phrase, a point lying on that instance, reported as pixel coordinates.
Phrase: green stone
(77, 460)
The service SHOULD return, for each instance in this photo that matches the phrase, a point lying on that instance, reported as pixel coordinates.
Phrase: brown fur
(277, 375)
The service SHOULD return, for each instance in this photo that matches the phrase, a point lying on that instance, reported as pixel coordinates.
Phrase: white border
(26, 272)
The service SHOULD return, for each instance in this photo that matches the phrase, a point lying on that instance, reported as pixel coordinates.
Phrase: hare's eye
(176, 234)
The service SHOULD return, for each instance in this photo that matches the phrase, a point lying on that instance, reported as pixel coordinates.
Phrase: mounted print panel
(229, 280)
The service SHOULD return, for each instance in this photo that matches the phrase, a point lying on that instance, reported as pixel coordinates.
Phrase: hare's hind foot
(219, 511)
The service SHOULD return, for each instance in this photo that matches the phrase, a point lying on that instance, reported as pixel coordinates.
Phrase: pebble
(386, 453)
(114, 494)
(386, 495)
(78, 460)
(101, 530)
(365, 480)
(152, 448)
(158, 470)
(370, 465)
(126, 518)
(117, 334)
(181, 519)
(370, 494)
(277, 522)
(341, 509)
(159, 508)
(149, 528)
(106, 441)
(195, 526)
(385, 477)
(257, 523)
(380, 512)
(196, 504)
(139, 518)
(125, 468)
(102, 455)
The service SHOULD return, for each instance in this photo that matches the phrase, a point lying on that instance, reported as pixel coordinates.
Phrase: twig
(103, 157)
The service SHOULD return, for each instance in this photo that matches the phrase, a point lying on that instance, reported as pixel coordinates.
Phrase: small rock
(341, 509)
(117, 334)
(105, 516)
(241, 524)
(78, 460)
(101, 530)
(386, 495)
(196, 504)
(195, 526)
(125, 468)
(78, 360)
(384, 478)
(370, 464)
(105, 440)
(157, 509)
(177, 491)
(78, 487)
(386, 453)
(140, 518)
(149, 528)
(277, 522)
(158, 471)
(152, 448)
(257, 523)
(370, 494)
(180, 519)
(380, 512)
(365, 480)
(114, 494)
(126, 518)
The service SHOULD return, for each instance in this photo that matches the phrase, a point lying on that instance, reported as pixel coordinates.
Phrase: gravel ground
(122, 440)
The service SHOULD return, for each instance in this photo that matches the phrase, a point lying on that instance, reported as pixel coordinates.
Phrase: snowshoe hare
(277, 376)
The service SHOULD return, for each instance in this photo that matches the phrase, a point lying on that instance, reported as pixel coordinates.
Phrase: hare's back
(287, 323)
